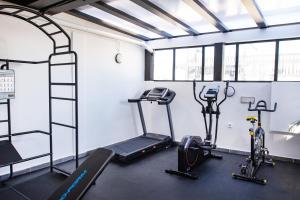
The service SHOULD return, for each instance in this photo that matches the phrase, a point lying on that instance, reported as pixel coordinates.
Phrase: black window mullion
(203, 63)
(174, 64)
(276, 61)
(237, 62)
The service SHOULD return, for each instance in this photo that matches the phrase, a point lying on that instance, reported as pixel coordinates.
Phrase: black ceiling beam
(120, 14)
(200, 8)
(147, 5)
(57, 6)
(21, 2)
(43, 3)
(100, 22)
(255, 12)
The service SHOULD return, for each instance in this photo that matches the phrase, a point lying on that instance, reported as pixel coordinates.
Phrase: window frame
(174, 61)
(276, 59)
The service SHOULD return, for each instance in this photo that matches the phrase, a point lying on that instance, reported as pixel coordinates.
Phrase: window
(163, 65)
(256, 61)
(188, 64)
(209, 63)
(229, 63)
(289, 61)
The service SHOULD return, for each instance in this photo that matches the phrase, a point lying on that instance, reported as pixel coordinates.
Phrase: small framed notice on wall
(7, 84)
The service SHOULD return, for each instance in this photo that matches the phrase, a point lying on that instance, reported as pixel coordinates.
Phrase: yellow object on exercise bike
(251, 118)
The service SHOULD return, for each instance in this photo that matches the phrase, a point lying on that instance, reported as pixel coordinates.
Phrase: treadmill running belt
(133, 145)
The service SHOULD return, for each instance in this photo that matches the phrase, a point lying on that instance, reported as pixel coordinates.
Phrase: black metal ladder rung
(3, 121)
(64, 84)
(62, 171)
(16, 12)
(55, 33)
(63, 98)
(33, 17)
(61, 64)
(64, 125)
(3, 103)
(46, 24)
(63, 46)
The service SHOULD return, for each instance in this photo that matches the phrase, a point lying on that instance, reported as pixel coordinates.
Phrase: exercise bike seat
(78, 183)
(252, 119)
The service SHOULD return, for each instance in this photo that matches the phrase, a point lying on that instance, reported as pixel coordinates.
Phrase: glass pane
(122, 24)
(185, 13)
(289, 61)
(231, 12)
(280, 11)
(209, 63)
(257, 61)
(229, 63)
(163, 65)
(146, 16)
(188, 64)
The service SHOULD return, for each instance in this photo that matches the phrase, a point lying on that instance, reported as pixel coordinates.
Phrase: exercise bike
(192, 150)
(259, 152)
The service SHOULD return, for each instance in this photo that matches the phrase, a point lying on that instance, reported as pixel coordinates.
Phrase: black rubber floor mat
(41, 187)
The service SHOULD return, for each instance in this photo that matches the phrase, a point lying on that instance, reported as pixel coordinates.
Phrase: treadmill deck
(140, 144)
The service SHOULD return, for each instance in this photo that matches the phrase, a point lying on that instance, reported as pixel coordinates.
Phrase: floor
(145, 179)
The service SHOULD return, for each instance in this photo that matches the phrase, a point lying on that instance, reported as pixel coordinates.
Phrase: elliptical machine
(192, 150)
(259, 152)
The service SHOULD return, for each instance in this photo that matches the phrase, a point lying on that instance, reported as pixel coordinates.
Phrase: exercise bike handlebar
(262, 106)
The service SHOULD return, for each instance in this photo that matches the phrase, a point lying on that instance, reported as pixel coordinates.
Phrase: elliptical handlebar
(225, 97)
(262, 106)
(205, 100)
(195, 95)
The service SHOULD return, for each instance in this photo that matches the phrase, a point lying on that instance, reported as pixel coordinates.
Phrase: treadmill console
(212, 93)
(157, 93)
(162, 96)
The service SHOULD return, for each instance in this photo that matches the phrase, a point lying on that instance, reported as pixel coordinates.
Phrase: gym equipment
(61, 47)
(259, 152)
(148, 142)
(7, 84)
(72, 188)
(192, 150)
(76, 185)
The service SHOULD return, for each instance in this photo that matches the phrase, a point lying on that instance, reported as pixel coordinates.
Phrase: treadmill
(128, 150)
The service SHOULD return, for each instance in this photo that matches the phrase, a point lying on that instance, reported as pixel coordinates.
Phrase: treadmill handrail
(133, 100)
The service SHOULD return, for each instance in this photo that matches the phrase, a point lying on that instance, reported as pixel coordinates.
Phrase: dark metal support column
(276, 61)
(142, 118)
(218, 61)
(237, 62)
(50, 117)
(203, 63)
(76, 111)
(170, 122)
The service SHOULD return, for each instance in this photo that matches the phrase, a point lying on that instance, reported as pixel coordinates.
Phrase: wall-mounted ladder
(73, 100)
(61, 46)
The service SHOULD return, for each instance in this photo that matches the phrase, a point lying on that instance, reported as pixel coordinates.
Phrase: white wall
(105, 117)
